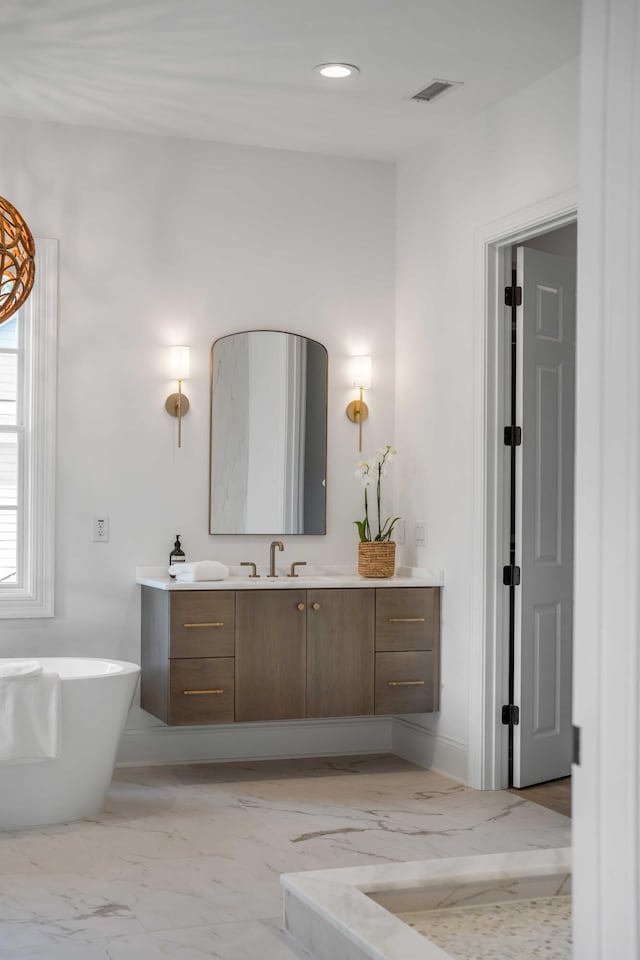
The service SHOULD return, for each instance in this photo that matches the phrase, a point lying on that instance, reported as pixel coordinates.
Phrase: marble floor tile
(253, 940)
(185, 861)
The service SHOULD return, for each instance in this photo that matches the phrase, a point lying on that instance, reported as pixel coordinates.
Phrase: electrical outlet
(420, 532)
(101, 529)
(400, 531)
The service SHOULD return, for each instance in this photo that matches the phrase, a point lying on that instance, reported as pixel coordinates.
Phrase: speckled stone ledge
(330, 908)
(536, 929)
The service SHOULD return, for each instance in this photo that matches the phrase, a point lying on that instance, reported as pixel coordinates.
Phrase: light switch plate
(420, 536)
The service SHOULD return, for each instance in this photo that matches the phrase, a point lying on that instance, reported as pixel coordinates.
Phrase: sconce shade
(179, 363)
(17, 260)
(357, 410)
(361, 372)
(179, 369)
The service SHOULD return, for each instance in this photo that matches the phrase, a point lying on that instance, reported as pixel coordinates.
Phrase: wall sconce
(358, 411)
(177, 404)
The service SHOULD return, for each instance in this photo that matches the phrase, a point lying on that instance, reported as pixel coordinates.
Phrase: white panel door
(544, 526)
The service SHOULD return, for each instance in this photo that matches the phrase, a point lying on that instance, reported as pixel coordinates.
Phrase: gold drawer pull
(215, 623)
(405, 620)
(300, 607)
(405, 683)
(200, 693)
(316, 606)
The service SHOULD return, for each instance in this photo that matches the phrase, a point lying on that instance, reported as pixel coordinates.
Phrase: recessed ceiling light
(337, 71)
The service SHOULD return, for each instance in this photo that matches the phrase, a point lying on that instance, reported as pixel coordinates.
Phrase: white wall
(563, 241)
(522, 150)
(606, 783)
(171, 241)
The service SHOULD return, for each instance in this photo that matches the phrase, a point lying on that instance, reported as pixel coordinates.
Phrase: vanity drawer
(202, 690)
(202, 623)
(407, 618)
(404, 682)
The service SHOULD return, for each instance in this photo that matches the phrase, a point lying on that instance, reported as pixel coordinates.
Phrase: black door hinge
(512, 436)
(511, 575)
(576, 746)
(510, 715)
(512, 296)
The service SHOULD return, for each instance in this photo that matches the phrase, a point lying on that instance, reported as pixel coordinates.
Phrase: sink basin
(282, 581)
(319, 578)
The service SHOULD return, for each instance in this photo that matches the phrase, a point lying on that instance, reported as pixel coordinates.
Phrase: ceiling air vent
(435, 89)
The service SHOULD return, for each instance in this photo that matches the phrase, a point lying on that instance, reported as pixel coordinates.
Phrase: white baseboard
(428, 749)
(255, 741)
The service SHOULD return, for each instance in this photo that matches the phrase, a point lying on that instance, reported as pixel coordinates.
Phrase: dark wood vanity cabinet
(340, 652)
(407, 650)
(188, 655)
(202, 624)
(202, 690)
(218, 656)
(270, 654)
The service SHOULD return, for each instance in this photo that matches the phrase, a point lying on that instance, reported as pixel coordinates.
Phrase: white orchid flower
(370, 473)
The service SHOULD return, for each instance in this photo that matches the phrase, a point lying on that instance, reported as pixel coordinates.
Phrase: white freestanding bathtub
(96, 696)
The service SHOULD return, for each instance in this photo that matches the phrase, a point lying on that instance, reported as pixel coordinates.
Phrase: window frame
(37, 358)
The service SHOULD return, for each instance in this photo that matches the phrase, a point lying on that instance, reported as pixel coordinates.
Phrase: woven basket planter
(377, 558)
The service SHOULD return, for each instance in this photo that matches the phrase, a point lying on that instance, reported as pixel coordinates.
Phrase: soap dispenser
(177, 555)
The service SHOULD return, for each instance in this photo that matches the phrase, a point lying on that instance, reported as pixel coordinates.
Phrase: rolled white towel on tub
(29, 717)
(199, 570)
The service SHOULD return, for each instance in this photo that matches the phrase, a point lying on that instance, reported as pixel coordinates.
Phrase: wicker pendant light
(17, 260)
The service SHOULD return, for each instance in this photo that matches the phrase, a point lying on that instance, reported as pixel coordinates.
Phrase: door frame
(488, 737)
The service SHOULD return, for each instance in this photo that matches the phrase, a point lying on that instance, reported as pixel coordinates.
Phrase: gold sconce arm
(177, 405)
(357, 412)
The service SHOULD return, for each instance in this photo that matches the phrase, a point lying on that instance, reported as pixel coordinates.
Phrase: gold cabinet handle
(316, 606)
(405, 683)
(405, 620)
(300, 607)
(201, 693)
(214, 623)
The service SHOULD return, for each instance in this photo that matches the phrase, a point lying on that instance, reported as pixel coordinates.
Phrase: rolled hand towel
(199, 570)
(17, 669)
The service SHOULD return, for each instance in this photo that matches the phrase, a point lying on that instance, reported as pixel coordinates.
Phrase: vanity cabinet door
(407, 618)
(405, 682)
(340, 652)
(202, 623)
(270, 654)
(201, 690)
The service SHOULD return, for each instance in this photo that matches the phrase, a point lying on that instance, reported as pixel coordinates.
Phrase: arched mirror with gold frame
(268, 449)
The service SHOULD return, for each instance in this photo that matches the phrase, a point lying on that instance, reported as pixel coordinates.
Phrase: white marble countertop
(314, 577)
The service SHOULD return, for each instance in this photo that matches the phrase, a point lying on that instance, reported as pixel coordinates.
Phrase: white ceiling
(241, 70)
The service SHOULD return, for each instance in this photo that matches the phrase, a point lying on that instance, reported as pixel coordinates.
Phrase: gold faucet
(272, 552)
